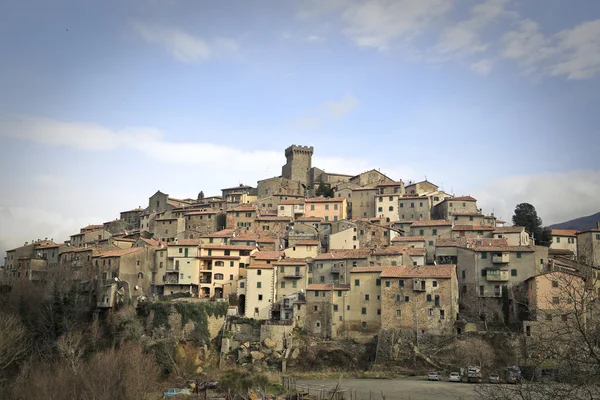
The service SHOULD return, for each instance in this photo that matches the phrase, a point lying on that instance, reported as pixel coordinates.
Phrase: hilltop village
(336, 255)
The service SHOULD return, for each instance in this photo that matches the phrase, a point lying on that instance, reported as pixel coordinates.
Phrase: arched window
(219, 264)
(140, 275)
(218, 277)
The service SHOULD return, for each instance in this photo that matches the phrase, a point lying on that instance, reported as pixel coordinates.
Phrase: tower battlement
(299, 163)
(299, 150)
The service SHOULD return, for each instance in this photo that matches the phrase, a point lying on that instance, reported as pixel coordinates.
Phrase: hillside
(581, 224)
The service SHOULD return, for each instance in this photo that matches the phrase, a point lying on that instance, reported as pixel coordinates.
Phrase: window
(322, 279)
(481, 290)
(379, 311)
(391, 208)
(312, 207)
(326, 218)
(421, 232)
(542, 261)
(558, 239)
(380, 199)
(380, 209)
(230, 277)
(366, 297)
(483, 273)
(140, 275)
(597, 236)
(401, 205)
(431, 242)
(436, 300)
(231, 263)
(430, 312)
(335, 308)
(428, 298)
(554, 283)
(335, 206)
(258, 272)
(218, 277)
(420, 204)
(398, 313)
(258, 285)
(434, 231)
(406, 299)
(528, 330)
(180, 250)
(255, 310)
(387, 283)
(571, 240)
(398, 298)
(218, 263)
(518, 254)
(401, 283)
(364, 324)
(412, 205)
(513, 272)
(362, 232)
(242, 285)
(363, 311)
(160, 265)
(555, 300)
(316, 293)
(377, 282)
(283, 284)
(357, 282)
(442, 314)
(484, 255)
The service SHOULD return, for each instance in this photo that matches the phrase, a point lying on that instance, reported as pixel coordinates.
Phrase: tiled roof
(461, 198)
(307, 242)
(122, 239)
(564, 232)
(119, 253)
(408, 239)
(309, 219)
(267, 255)
(203, 212)
(411, 251)
(328, 286)
(473, 228)
(363, 188)
(509, 229)
(448, 243)
(227, 247)
(325, 200)
(150, 242)
(343, 254)
(47, 245)
(359, 270)
(522, 249)
(219, 257)
(478, 242)
(408, 197)
(466, 214)
(499, 221)
(186, 242)
(429, 271)
(244, 208)
(242, 186)
(293, 261)
(273, 218)
(433, 222)
(390, 250)
(166, 219)
(225, 233)
(399, 183)
(258, 238)
(291, 202)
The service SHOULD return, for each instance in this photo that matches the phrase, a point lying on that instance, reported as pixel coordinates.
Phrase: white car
(434, 376)
(454, 377)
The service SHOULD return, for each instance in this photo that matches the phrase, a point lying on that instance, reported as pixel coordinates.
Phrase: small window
(442, 314)
(364, 324)
(483, 273)
(431, 242)
(401, 283)
(406, 299)
(558, 239)
(398, 313)
(315, 308)
(283, 284)
(379, 311)
(258, 285)
(258, 272)
(434, 231)
(387, 283)
(528, 330)
(335, 308)
(484, 255)
(434, 283)
(366, 297)
(363, 311)
(513, 272)
(555, 300)
(428, 298)
(555, 284)
(377, 282)
(421, 232)
(357, 282)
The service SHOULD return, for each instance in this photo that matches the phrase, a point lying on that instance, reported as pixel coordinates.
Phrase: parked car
(454, 377)
(434, 376)
(172, 392)
(494, 378)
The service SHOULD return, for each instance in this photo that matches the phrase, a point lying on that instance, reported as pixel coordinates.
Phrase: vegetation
(324, 189)
(526, 216)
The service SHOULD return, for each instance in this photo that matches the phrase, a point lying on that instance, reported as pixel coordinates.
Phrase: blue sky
(103, 103)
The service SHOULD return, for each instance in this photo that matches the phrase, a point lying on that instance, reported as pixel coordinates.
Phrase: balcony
(337, 269)
(501, 258)
(419, 285)
(206, 280)
(496, 275)
(171, 278)
(292, 276)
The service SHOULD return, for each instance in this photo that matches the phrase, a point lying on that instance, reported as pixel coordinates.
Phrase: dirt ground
(400, 389)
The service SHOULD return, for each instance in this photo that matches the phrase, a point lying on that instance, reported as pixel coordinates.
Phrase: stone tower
(299, 163)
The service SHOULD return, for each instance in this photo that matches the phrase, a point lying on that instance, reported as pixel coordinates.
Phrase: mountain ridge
(580, 224)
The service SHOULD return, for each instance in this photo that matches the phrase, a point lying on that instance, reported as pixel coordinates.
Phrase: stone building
(335, 266)
(420, 188)
(362, 311)
(564, 242)
(298, 164)
(279, 185)
(414, 208)
(329, 209)
(321, 300)
(421, 300)
(132, 217)
(272, 224)
(588, 246)
(261, 284)
(89, 237)
(291, 208)
(292, 276)
(372, 233)
(393, 255)
(237, 194)
(242, 217)
(452, 205)
(431, 231)
(472, 231)
(363, 202)
(167, 228)
(468, 218)
(202, 222)
(514, 235)
(370, 178)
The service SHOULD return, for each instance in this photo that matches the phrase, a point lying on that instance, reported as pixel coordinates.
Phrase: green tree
(323, 189)
(526, 216)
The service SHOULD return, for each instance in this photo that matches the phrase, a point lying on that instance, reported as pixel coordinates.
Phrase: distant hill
(581, 224)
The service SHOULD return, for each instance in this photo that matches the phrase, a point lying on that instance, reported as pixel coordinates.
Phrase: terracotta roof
(409, 271)
(122, 239)
(325, 200)
(405, 197)
(186, 242)
(166, 219)
(433, 222)
(408, 239)
(92, 227)
(509, 229)
(119, 253)
(243, 207)
(267, 255)
(273, 218)
(328, 286)
(498, 220)
(309, 219)
(293, 261)
(412, 251)
(220, 234)
(564, 232)
(291, 202)
(390, 250)
(461, 198)
(363, 188)
(258, 238)
(220, 257)
(307, 242)
(560, 252)
(47, 245)
(203, 212)
(343, 254)
(448, 243)
(242, 186)
(399, 183)
(467, 214)
(150, 242)
(502, 249)
(359, 270)
(227, 247)
(473, 228)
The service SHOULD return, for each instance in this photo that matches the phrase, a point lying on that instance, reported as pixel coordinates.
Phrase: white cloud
(483, 67)
(377, 23)
(557, 197)
(464, 37)
(574, 53)
(315, 38)
(182, 45)
(338, 109)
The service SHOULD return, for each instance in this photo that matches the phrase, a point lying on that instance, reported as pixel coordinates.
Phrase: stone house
(264, 242)
(420, 188)
(279, 185)
(220, 237)
(221, 266)
(565, 240)
(387, 188)
(291, 208)
(292, 276)
(335, 266)
(472, 231)
(392, 255)
(236, 193)
(414, 208)
(415, 242)
(431, 231)
(387, 207)
(363, 202)
(451, 205)
(515, 235)
(132, 217)
(261, 284)
(272, 224)
(371, 178)
(372, 233)
(168, 228)
(362, 311)
(329, 209)
(202, 222)
(242, 217)
(421, 300)
(321, 300)
(89, 237)
(588, 246)
(468, 218)
(307, 248)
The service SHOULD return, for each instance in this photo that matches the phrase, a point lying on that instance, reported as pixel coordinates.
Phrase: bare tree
(474, 351)
(14, 341)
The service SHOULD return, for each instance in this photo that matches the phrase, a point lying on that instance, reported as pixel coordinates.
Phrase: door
(185, 252)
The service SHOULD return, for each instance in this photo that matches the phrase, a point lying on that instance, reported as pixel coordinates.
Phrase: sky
(104, 103)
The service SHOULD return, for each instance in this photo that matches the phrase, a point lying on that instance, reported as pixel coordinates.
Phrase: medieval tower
(298, 165)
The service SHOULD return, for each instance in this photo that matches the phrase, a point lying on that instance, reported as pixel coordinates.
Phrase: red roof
(291, 202)
(273, 218)
(409, 271)
(461, 198)
(408, 239)
(343, 254)
(325, 200)
(220, 234)
(227, 247)
(267, 255)
(359, 270)
(509, 229)
(122, 252)
(390, 250)
(307, 242)
(433, 222)
(473, 228)
(186, 242)
(564, 232)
